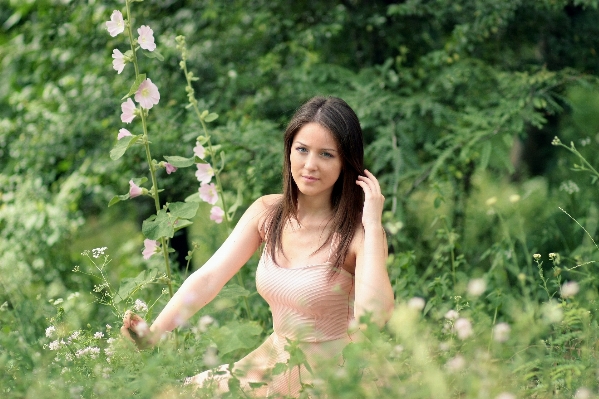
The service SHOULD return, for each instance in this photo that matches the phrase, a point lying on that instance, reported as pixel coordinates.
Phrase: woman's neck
(311, 209)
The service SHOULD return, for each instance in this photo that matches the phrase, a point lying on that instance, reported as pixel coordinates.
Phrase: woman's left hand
(373, 200)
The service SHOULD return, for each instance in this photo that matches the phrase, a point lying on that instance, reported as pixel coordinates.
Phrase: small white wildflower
(463, 328)
(569, 186)
(501, 332)
(451, 315)
(98, 335)
(477, 286)
(505, 395)
(585, 142)
(54, 345)
(514, 198)
(96, 252)
(75, 335)
(110, 340)
(444, 346)
(570, 289)
(210, 358)
(140, 306)
(455, 363)
(50, 331)
(397, 350)
(204, 322)
(108, 326)
(536, 256)
(552, 312)
(69, 357)
(416, 303)
(583, 393)
(58, 301)
(491, 201)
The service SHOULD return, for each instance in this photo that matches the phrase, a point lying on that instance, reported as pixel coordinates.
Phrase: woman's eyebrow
(322, 149)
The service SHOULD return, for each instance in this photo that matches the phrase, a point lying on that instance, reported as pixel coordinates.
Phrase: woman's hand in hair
(373, 200)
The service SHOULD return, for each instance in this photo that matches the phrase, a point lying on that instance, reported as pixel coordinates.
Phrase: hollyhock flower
(477, 286)
(128, 108)
(570, 289)
(123, 133)
(199, 150)
(501, 332)
(116, 24)
(118, 64)
(216, 214)
(208, 193)
(204, 173)
(150, 247)
(463, 328)
(147, 94)
(146, 38)
(169, 168)
(134, 190)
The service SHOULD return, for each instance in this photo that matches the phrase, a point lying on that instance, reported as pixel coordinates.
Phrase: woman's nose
(310, 162)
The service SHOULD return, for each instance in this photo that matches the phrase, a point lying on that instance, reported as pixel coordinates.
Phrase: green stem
(193, 102)
(154, 192)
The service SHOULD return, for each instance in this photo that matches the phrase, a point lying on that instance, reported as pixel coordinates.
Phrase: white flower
(501, 332)
(118, 64)
(146, 38)
(416, 303)
(75, 335)
(54, 345)
(116, 24)
(455, 363)
(477, 287)
(98, 335)
(583, 393)
(451, 315)
(96, 252)
(204, 322)
(140, 306)
(463, 328)
(570, 289)
(49, 331)
(108, 326)
(505, 395)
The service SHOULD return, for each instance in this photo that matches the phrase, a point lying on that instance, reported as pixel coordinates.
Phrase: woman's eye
(301, 149)
(327, 155)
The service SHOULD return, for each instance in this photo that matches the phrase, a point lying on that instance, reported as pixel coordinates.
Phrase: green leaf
(183, 210)
(203, 139)
(235, 335)
(237, 203)
(118, 198)
(130, 286)
(180, 162)
(199, 160)
(121, 146)
(153, 54)
(158, 226)
(211, 117)
(486, 155)
(193, 198)
(135, 85)
(182, 223)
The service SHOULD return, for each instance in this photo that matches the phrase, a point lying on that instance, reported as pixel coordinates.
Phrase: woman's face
(315, 160)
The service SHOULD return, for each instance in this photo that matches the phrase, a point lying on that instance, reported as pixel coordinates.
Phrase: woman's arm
(205, 283)
(373, 292)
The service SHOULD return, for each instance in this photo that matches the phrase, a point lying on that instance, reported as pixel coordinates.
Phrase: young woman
(324, 259)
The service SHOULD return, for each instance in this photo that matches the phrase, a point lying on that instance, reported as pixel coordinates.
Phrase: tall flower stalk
(207, 117)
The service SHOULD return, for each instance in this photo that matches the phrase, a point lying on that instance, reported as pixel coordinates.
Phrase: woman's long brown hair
(347, 198)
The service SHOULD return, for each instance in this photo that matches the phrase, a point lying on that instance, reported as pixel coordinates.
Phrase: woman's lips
(310, 178)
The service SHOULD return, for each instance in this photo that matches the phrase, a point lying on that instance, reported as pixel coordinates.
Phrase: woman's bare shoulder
(268, 200)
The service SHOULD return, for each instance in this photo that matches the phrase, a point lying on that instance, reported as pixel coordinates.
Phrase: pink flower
(199, 150)
(116, 24)
(204, 173)
(128, 108)
(208, 193)
(119, 61)
(169, 168)
(216, 214)
(123, 133)
(463, 328)
(147, 94)
(146, 38)
(134, 190)
(149, 248)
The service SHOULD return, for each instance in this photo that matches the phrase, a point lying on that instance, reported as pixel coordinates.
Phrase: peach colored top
(309, 307)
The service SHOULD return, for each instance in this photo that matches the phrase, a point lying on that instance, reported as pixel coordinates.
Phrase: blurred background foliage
(459, 101)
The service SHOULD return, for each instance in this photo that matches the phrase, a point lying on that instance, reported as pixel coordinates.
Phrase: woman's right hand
(136, 330)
